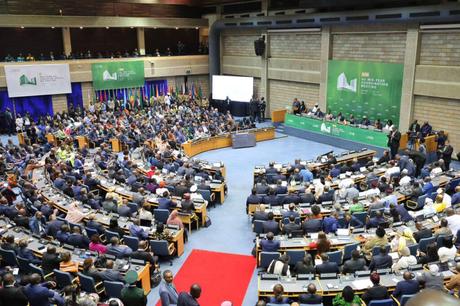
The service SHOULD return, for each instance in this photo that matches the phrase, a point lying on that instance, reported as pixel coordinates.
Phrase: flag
(200, 93)
(193, 91)
(177, 89)
(156, 90)
(124, 97)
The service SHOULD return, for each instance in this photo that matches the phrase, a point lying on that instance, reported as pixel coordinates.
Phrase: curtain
(75, 98)
(36, 106)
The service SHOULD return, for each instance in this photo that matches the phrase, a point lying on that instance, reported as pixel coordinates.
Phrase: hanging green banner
(365, 89)
(113, 75)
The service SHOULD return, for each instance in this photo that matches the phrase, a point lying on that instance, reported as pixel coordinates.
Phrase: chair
(424, 242)
(23, 264)
(386, 302)
(440, 240)
(373, 212)
(413, 249)
(208, 196)
(265, 258)
(113, 289)
(405, 299)
(361, 216)
(161, 215)
(376, 250)
(88, 284)
(63, 279)
(295, 256)
(109, 235)
(90, 232)
(417, 204)
(35, 269)
(188, 219)
(452, 184)
(162, 248)
(132, 242)
(259, 226)
(335, 256)
(9, 257)
(348, 249)
(133, 207)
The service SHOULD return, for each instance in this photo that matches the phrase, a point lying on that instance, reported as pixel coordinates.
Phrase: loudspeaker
(259, 46)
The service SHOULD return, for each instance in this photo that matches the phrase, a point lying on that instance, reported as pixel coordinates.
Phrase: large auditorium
(229, 153)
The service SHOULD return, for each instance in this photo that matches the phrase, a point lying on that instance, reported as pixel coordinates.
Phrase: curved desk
(192, 148)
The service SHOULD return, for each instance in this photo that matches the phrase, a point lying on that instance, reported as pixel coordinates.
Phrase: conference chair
(88, 284)
(373, 212)
(23, 265)
(90, 232)
(133, 207)
(162, 248)
(361, 216)
(418, 204)
(424, 242)
(413, 249)
(35, 269)
(452, 184)
(208, 196)
(161, 215)
(404, 299)
(265, 259)
(386, 302)
(295, 256)
(109, 235)
(348, 249)
(9, 257)
(258, 226)
(132, 242)
(336, 257)
(441, 238)
(63, 279)
(376, 250)
(113, 289)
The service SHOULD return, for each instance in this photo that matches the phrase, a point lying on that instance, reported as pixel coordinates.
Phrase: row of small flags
(147, 92)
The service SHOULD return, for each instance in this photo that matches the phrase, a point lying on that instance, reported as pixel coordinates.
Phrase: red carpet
(222, 276)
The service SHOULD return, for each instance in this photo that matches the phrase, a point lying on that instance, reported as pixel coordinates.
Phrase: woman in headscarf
(74, 214)
(174, 219)
(402, 240)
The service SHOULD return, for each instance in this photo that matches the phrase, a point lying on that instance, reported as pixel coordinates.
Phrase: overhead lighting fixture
(196, 28)
(131, 27)
(22, 27)
(52, 28)
(107, 28)
(177, 28)
(81, 28)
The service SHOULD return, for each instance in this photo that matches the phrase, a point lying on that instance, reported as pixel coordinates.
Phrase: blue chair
(109, 235)
(405, 298)
(161, 215)
(441, 238)
(9, 257)
(265, 258)
(386, 302)
(452, 184)
(35, 269)
(361, 216)
(132, 242)
(424, 242)
(348, 249)
(259, 226)
(63, 279)
(417, 204)
(373, 212)
(133, 207)
(413, 249)
(23, 264)
(162, 248)
(90, 232)
(335, 257)
(208, 196)
(88, 284)
(113, 289)
(295, 256)
(376, 250)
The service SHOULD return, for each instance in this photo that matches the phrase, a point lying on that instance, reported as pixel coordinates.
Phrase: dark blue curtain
(75, 98)
(36, 106)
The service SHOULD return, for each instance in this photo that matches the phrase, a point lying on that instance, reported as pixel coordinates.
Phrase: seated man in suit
(312, 225)
(110, 274)
(356, 263)
(280, 189)
(136, 230)
(271, 225)
(381, 260)
(253, 199)
(291, 226)
(269, 244)
(168, 292)
(11, 294)
(326, 266)
(190, 299)
(77, 239)
(407, 286)
(377, 291)
(93, 224)
(26, 253)
(53, 226)
(311, 297)
(291, 197)
(123, 210)
(143, 253)
(260, 214)
(291, 212)
(120, 251)
(39, 294)
(50, 260)
(164, 202)
(422, 232)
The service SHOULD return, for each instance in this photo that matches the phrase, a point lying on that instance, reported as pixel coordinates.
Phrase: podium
(82, 142)
(116, 145)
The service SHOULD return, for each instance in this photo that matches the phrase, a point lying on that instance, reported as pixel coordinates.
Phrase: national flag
(200, 93)
(124, 97)
(156, 90)
(193, 91)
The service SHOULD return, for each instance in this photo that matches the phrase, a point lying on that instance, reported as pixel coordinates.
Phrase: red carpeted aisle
(222, 276)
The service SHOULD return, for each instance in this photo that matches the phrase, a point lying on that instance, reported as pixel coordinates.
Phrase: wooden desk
(116, 145)
(144, 277)
(193, 148)
(278, 115)
(430, 143)
(82, 142)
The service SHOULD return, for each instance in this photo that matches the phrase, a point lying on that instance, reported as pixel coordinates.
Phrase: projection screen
(239, 89)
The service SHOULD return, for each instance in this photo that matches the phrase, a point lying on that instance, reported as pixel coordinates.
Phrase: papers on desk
(361, 284)
(314, 235)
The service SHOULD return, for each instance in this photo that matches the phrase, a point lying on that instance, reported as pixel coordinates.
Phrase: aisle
(230, 231)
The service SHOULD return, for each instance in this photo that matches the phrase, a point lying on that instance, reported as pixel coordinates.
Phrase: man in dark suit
(422, 232)
(110, 274)
(39, 294)
(262, 187)
(253, 199)
(407, 286)
(260, 214)
(381, 261)
(11, 294)
(272, 199)
(168, 292)
(50, 260)
(312, 225)
(269, 244)
(377, 291)
(190, 299)
(291, 226)
(77, 239)
(280, 189)
(165, 202)
(393, 141)
(92, 223)
(326, 196)
(327, 266)
(291, 197)
(53, 226)
(311, 297)
(271, 225)
(142, 253)
(356, 263)
(291, 212)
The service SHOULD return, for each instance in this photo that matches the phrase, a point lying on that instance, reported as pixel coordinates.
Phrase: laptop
(343, 233)
(145, 223)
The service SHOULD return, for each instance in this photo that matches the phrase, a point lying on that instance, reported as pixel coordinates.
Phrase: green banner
(113, 75)
(365, 89)
(332, 128)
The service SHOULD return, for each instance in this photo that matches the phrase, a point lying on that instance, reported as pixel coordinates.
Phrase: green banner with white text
(365, 89)
(332, 128)
(114, 75)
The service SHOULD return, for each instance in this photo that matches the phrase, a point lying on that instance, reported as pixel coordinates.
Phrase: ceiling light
(81, 28)
(107, 28)
(131, 27)
(177, 28)
(22, 27)
(52, 28)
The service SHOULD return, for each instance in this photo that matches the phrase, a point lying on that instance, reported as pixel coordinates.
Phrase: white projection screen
(236, 88)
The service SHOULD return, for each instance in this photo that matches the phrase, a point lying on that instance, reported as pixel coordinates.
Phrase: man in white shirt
(445, 197)
(453, 220)
(405, 179)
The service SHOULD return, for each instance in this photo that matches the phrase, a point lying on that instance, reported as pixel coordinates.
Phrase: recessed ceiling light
(196, 28)
(81, 28)
(52, 27)
(132, 27)
(22, 27)
(177, 28)
(107, 28)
